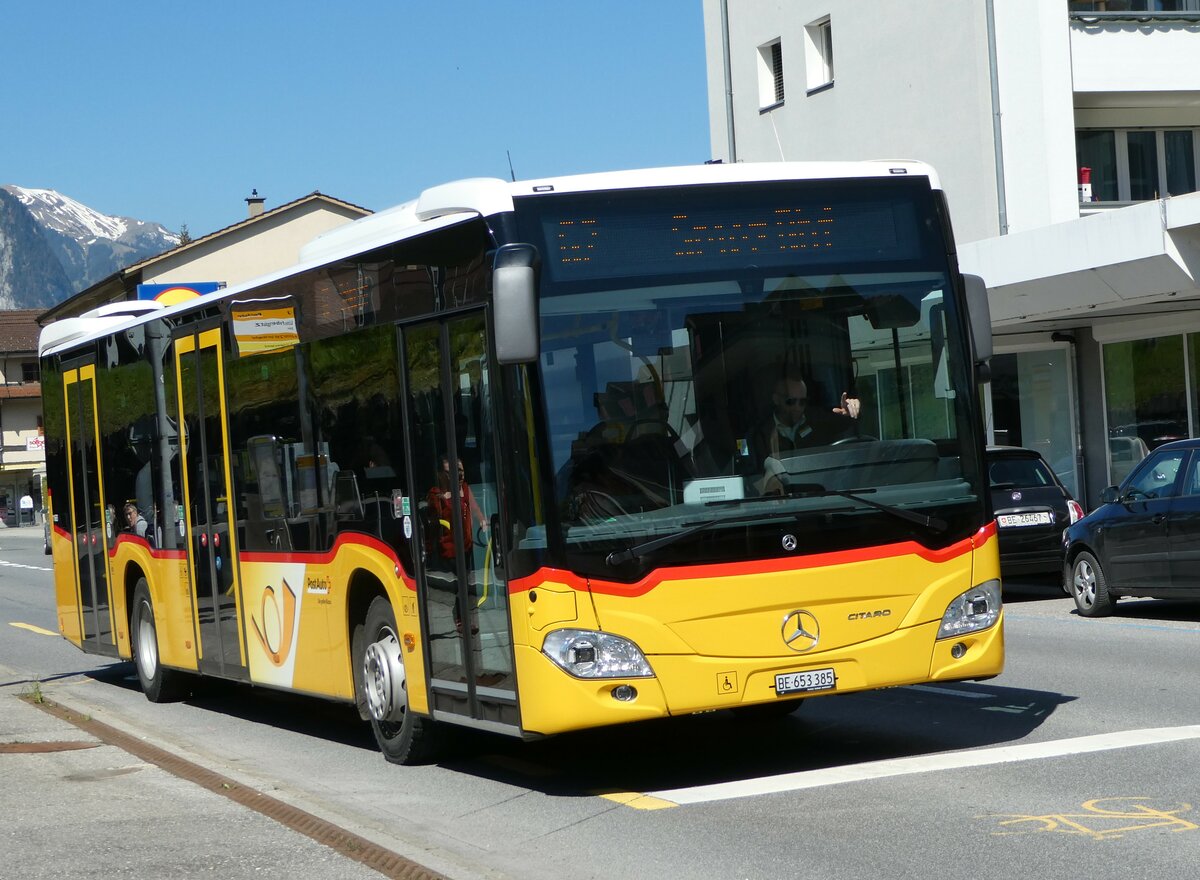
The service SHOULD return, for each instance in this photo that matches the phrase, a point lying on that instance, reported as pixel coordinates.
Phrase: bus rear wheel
(160, 685)
(403, 736)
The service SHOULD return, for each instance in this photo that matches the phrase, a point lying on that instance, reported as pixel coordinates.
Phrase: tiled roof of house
(19, 330)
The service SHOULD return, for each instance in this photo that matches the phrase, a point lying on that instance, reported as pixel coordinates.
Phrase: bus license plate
(1010, 520)
(808, 680)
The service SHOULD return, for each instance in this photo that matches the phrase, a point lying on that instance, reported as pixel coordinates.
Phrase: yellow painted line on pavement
(637, 800)
(32, 628)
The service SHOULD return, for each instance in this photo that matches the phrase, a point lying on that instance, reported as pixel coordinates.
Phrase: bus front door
(211, 536)
(90, 519)
(461, 583)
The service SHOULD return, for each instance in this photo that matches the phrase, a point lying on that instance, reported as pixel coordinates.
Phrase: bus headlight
(586, 653)
(976, 609)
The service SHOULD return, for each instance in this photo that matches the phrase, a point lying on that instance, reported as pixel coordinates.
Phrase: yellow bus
(535, 457)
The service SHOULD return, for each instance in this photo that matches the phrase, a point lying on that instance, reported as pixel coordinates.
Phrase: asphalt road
(1076, 762)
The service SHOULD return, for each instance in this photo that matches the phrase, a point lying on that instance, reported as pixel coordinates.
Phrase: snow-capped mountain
(30, 274)
(86, 244)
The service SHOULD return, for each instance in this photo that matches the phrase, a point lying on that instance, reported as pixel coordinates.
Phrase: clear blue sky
(173, 112)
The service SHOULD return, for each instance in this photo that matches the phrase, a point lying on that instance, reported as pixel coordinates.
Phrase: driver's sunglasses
(795, 401)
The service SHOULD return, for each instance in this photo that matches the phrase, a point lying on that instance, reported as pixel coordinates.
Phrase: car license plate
(1013, 520)
(808, 680)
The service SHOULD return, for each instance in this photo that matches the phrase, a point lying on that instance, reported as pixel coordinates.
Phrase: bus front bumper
(553, 701)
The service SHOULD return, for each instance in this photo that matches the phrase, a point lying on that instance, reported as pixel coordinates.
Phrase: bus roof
(452, 203)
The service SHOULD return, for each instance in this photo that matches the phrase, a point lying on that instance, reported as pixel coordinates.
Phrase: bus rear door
(89, 519)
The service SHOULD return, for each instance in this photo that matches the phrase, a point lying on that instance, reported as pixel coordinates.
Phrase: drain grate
(386, 862)
(41, 748)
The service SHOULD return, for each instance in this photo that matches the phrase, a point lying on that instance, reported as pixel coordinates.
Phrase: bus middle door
(211, 534)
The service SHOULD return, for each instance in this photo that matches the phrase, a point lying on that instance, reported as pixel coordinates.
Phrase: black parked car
(1032, 508)
(1144, 538)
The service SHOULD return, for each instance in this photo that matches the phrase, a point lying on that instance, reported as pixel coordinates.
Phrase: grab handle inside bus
(515, 303)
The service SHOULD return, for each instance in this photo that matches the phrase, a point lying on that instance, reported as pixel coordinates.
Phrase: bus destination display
(638, 239)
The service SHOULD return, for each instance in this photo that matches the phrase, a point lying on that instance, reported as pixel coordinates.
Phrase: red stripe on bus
(326, 557)
(744, 569)
(142, 542)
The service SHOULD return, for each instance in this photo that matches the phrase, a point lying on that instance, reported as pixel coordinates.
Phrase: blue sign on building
(169, 294)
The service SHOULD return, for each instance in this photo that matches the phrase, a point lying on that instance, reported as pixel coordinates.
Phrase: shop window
(1145, 399)
(1030, 397)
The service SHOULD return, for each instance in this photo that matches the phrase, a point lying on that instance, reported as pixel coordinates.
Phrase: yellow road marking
(32, 628)
(637, 800)
(1096, 813)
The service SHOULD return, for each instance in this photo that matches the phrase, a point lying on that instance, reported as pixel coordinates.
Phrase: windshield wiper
(804, 490)
(816, 490)
(639, 550)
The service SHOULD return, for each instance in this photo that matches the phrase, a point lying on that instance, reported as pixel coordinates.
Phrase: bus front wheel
(403, 736)
(160, 685)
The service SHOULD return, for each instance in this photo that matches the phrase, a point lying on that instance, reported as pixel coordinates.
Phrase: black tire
(768, 712)
(1089, 587)
(160, 685)
(404, 737)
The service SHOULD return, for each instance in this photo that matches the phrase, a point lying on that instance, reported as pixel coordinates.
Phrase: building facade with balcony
(1094, 290)
(22, 455)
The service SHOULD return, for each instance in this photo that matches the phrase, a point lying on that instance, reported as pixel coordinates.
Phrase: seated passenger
(134, 521)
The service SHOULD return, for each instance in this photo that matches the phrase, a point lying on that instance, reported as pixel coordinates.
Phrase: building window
(1131, 165)
(29, 371)
(770, 75)
(818, 54)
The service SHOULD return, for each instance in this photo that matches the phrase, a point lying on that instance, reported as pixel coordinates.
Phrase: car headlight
(587, 653)
(976, 609)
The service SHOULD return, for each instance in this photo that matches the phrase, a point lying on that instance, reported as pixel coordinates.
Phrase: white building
(1095, 303)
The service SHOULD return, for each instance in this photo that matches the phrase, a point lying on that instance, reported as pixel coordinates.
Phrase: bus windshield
(714, 366)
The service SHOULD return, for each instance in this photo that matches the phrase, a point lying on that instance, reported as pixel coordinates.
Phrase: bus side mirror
(515, 303)
(981, 317)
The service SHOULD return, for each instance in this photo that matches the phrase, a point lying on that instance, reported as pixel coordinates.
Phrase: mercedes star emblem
(790, 543)
(801, 632)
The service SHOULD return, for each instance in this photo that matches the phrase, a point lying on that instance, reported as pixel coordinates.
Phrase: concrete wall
(1034, 78)
(915, 86)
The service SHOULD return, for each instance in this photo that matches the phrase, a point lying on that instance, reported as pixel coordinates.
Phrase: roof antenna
(511, 173)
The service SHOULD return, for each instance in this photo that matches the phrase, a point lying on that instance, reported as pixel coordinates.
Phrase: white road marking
(951, 692)
(20, 565)
(925, 764)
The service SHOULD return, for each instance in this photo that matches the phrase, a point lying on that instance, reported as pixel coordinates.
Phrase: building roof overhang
(1110, 263)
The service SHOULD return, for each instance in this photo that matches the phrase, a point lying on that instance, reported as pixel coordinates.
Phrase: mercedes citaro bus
(488, 458)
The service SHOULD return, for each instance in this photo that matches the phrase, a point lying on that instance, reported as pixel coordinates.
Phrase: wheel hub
(147, 645)
(383, 674)
(1085, 583)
